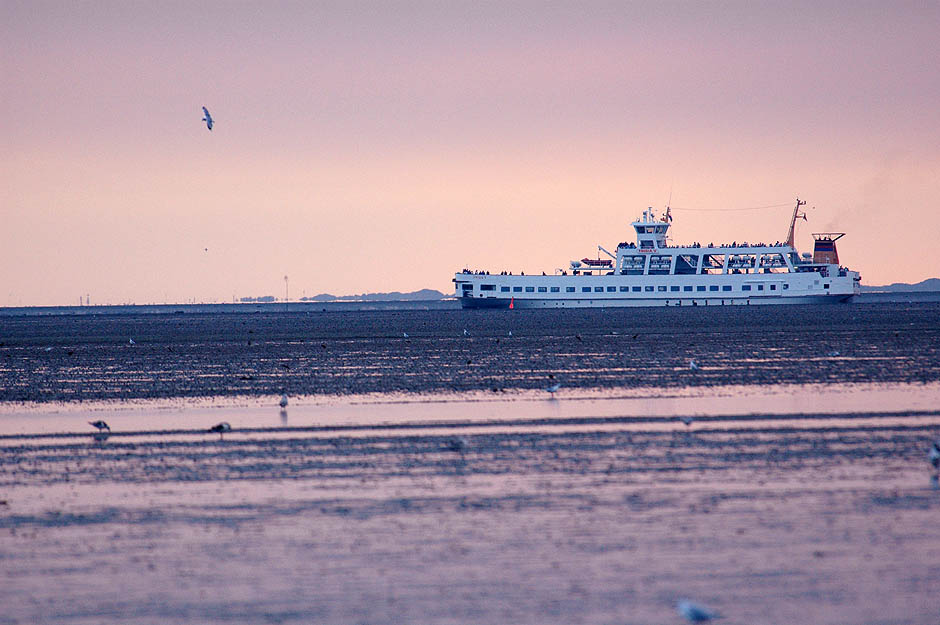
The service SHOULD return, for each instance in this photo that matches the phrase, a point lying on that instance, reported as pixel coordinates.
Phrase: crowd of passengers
(626, 244)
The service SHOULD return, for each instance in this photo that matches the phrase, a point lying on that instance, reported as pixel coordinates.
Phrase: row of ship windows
(625, 289)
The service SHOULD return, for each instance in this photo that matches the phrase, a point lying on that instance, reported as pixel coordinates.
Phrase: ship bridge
(651, 232)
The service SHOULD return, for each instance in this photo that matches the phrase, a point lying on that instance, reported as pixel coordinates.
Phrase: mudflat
(68, 358)
(429, 479)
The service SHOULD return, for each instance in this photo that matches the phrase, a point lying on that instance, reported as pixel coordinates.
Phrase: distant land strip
(930, 284)
(393, 296)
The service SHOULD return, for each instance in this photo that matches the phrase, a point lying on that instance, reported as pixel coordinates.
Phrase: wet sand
(780, 503)
(90, 357)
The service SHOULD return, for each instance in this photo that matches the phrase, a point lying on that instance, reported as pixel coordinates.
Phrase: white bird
(695, 613)
(101, 425)
(553, 388)
(131, 342)
(934, 455)
(48, 349)
(692, 365)
(207, 118)
(404, 334)
(510, 333)
(283, 402)
(465, 333)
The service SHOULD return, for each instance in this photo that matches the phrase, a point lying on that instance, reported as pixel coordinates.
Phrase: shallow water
(582, 509)
(791, 499)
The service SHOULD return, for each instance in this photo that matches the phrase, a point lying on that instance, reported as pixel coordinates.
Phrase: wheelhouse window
(487, 287)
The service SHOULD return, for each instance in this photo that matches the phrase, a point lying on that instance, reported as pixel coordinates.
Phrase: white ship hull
(650, 303)
(810, 288)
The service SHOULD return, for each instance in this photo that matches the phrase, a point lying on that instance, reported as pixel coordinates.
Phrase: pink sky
(383, 146)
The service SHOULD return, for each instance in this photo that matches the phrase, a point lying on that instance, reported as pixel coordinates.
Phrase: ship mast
(796, 215)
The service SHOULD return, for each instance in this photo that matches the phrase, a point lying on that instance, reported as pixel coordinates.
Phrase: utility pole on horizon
(286, 295)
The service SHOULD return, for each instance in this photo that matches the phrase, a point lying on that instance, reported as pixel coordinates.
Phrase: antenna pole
(796, 215)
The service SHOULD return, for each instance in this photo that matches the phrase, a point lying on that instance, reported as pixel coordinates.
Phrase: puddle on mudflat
(518, 408)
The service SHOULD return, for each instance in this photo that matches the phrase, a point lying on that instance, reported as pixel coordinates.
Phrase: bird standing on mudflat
(101, 425)
(221, 428)
(694, 612)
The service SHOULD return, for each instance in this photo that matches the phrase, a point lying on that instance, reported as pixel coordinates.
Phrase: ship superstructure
(651, 272)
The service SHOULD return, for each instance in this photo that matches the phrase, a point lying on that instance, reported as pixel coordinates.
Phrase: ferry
(651, 272)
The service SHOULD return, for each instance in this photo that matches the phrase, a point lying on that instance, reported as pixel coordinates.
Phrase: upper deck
(651, 254)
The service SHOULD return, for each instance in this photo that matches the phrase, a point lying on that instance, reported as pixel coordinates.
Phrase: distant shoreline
(229, 308)
(448, 303)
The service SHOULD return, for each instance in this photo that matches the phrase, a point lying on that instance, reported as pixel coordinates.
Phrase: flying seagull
(101, 425)
(693, 612)
(207, 118)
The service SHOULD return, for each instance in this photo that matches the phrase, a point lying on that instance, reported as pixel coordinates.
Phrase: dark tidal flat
(407, 510)
(203, 355)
